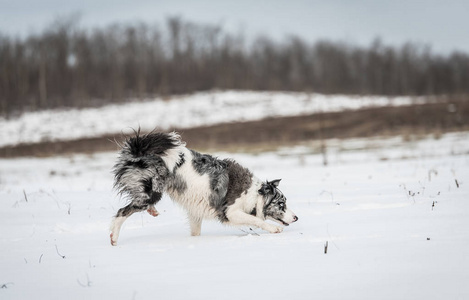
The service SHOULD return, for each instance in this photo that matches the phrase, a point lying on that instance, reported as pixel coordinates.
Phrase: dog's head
(275, 207)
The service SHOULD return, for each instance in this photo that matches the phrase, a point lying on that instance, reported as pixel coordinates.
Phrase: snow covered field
(205, 108)
(395, 217)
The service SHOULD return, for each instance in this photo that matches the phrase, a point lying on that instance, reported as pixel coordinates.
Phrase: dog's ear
(275, 182)
(265, 189)
(268, 187)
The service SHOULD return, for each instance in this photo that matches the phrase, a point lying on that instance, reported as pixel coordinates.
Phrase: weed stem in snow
(57, 249)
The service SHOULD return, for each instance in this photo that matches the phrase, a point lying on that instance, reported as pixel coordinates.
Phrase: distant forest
(68, 66)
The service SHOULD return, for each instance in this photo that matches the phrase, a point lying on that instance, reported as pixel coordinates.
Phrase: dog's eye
(282, 205)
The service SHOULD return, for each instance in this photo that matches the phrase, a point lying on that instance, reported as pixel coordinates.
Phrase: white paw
(113, 239)
(152, 211)
(275, 229)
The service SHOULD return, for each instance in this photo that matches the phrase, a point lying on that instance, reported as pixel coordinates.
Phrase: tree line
(68, 66)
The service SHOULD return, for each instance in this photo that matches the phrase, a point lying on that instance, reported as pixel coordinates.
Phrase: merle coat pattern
(207, 187)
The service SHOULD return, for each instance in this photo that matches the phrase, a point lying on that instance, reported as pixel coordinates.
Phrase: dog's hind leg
(133, 207)
(121, 216)
(115, 229)
(152, 211)
(154, 198)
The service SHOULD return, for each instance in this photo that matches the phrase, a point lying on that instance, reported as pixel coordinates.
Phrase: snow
(205, 108)
(395, 216)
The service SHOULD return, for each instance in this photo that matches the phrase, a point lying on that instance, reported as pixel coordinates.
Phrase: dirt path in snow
(407, 121)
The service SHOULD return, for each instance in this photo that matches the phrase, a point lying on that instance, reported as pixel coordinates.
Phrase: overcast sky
(442, 24)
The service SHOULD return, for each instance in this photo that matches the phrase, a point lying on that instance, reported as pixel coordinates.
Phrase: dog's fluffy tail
(152, 144)
(146, 160)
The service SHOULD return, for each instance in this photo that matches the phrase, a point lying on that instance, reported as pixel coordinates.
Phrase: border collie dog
(205, 186)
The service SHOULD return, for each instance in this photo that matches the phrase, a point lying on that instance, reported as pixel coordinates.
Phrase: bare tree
(66, 65)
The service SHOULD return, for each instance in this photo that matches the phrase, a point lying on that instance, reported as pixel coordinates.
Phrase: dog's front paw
(275, 229)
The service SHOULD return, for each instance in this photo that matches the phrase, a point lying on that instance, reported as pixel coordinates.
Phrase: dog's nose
(295, 218)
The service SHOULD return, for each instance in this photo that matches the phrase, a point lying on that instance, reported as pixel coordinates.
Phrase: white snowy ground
(396, 219)
(205, 108)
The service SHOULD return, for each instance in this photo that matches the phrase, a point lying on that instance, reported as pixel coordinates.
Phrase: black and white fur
(207, 187)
